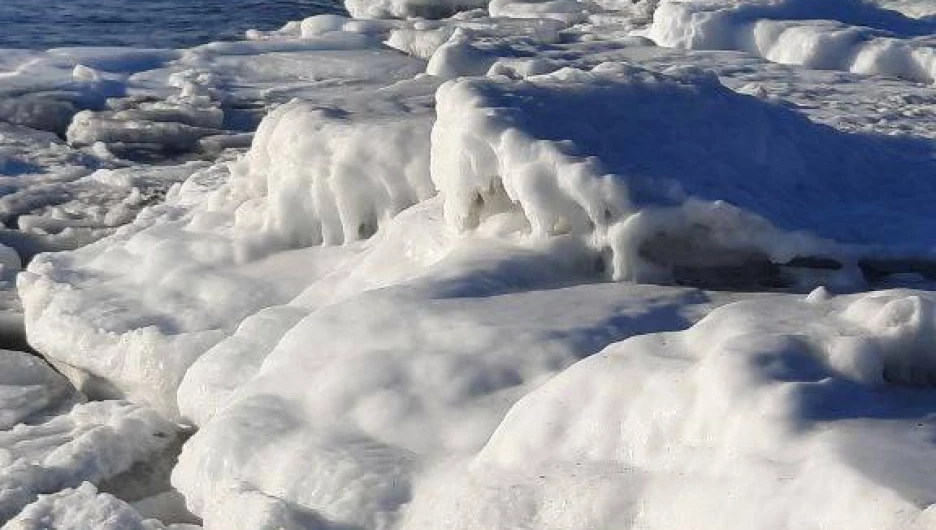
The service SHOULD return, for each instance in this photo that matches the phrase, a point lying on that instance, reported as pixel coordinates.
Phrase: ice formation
(405, 270)
(851, 35)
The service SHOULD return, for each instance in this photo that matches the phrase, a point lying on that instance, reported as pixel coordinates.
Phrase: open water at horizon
(44, 24)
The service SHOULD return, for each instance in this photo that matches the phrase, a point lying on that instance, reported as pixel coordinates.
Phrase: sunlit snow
(477, 265)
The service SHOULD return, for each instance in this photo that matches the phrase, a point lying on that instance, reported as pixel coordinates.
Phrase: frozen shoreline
(519, 267)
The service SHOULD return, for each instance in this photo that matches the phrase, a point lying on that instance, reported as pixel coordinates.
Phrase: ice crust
(402, 271)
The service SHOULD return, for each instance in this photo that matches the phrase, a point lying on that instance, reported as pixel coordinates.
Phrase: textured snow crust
(409, 299)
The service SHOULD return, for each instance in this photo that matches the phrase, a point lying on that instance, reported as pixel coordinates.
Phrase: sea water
(44, 24)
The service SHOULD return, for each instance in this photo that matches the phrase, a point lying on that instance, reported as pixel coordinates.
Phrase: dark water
(43, 24)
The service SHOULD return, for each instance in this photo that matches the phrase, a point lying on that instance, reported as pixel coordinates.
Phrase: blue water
(43, 24)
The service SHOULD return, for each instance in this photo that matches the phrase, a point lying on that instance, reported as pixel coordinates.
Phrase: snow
(90, 442)
(27, 388)
(83, 507)
(477, 265)
(752, 418)
(399, 377)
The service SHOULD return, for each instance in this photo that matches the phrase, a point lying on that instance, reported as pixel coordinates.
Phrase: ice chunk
(852, 35)
(646, 164)
(359, 395)
(28, 386)
(82, 508)
(215, 252)
(91, 442)
(324, 179)
(410, 8)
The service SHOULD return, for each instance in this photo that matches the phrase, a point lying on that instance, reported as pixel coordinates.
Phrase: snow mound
(359, 395)
(852, 35)
(91, 442)
(662, 173)
(750, 419)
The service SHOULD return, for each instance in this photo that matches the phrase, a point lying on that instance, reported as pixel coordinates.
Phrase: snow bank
(662, 172)
(853, 35)
(753, 418)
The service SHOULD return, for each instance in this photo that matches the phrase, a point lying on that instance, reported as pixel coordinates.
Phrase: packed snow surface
(473, 265)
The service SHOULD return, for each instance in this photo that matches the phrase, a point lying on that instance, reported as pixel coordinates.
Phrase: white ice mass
(459, 264)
